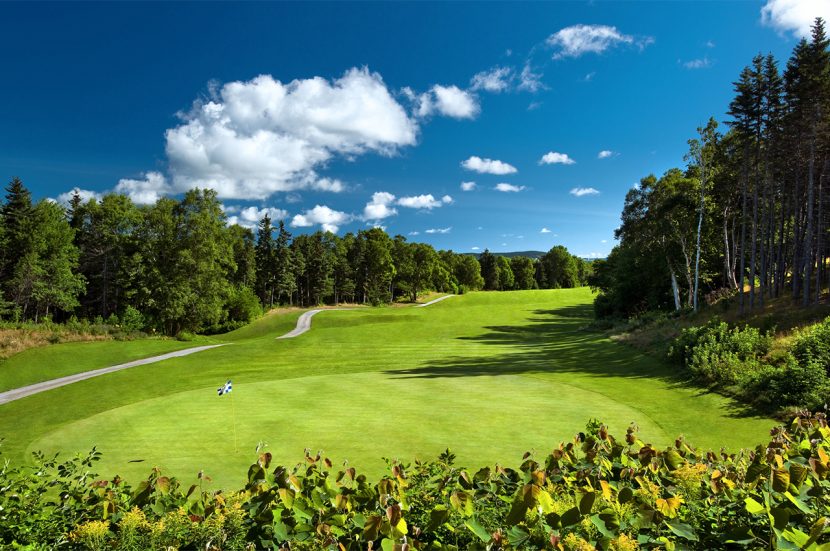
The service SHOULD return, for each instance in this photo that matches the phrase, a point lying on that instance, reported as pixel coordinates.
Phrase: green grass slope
(488, 375)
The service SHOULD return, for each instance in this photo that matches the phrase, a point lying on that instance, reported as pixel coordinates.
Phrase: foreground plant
(595, 492)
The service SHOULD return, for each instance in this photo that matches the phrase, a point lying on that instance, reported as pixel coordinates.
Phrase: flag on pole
(224, 389)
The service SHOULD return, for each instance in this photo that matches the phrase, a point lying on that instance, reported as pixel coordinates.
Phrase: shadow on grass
(557, 341)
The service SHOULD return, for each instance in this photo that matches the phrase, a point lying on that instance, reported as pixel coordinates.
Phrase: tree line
(748, 215)
(178, 266)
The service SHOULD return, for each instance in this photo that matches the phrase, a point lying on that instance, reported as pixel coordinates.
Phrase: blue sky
(344, 116)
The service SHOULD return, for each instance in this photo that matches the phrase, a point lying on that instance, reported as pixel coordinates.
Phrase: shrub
(791, 385)
(812, 346)
(132, 319)
(717, 353)
(593, 492)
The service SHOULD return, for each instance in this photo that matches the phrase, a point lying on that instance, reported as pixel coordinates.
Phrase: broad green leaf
(517, 535)
(478, 530)
(683, 530)
(753, 507)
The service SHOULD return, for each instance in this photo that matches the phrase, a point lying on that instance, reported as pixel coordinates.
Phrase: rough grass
(489, 375)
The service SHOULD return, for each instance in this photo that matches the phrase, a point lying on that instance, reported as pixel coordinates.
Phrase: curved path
(304, 321)
(22, 392)
(303, 325)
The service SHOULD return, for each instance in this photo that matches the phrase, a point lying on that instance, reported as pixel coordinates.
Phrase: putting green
(364, 415)
(488, 375)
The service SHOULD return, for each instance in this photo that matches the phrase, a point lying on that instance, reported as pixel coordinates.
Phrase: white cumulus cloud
(580, 191)
(468, 186)
(475, 248)
(794, 16)
(488, 166)
(328, 219)
(262, 136)
(439, 230)
(508, 188)
(544, 230)
(380, 206)
(494, 80)
(249, 217)
(84, 194)
(530, 81)
(552, 157)
(427, 202)
(605, 154)
(577, 40)
(145, 191)
(454, 102)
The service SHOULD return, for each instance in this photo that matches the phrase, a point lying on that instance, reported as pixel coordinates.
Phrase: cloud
(488, 166)
(590, 76)
(258, 137)
(414, 233)
(544, 230)
(508, 188)
(439, 230)
(794, 16)
(553, 157)
(703, 63)
(328, 219)
(455, 102)
(427, 202)
(604, 241)
(475, 248)
(493, 80)
(145, 191)
(249, 217)
(606, 154)
(577, 40)
(380, 206)
(530, 81)
(580, 191)
(468, 186)
(84, 194)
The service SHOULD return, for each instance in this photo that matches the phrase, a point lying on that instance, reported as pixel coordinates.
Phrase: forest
(178, 266)
(748, 216)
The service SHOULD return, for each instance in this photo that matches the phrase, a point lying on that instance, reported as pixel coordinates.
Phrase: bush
(132, 319)
(243, 305)
(812, 346)
(792, 385)
(719, 354)
(593, 492)
(185, 336)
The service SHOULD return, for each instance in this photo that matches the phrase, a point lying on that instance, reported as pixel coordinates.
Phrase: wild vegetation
(592, 492)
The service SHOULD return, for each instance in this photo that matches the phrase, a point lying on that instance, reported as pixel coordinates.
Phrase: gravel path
(439, 299)
(303, 325)
(22, 392)
(304, 321)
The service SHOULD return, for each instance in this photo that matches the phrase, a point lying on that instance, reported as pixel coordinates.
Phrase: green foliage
(812, 346)
(593, 492)
(717, 353)
(132, 319)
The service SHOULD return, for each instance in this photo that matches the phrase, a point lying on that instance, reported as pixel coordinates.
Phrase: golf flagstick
(233, 421)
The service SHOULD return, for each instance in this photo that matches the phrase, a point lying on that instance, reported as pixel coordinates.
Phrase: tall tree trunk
(808, 233)
(700, 224)
(743, 242)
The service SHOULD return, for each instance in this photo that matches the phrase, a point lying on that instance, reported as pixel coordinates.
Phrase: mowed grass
(488, 375)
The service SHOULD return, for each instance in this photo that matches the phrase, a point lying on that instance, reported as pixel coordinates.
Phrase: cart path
(303, 325)
(304, 321)
(22, 392)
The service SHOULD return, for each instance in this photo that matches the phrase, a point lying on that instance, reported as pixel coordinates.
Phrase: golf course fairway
(488, 375)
